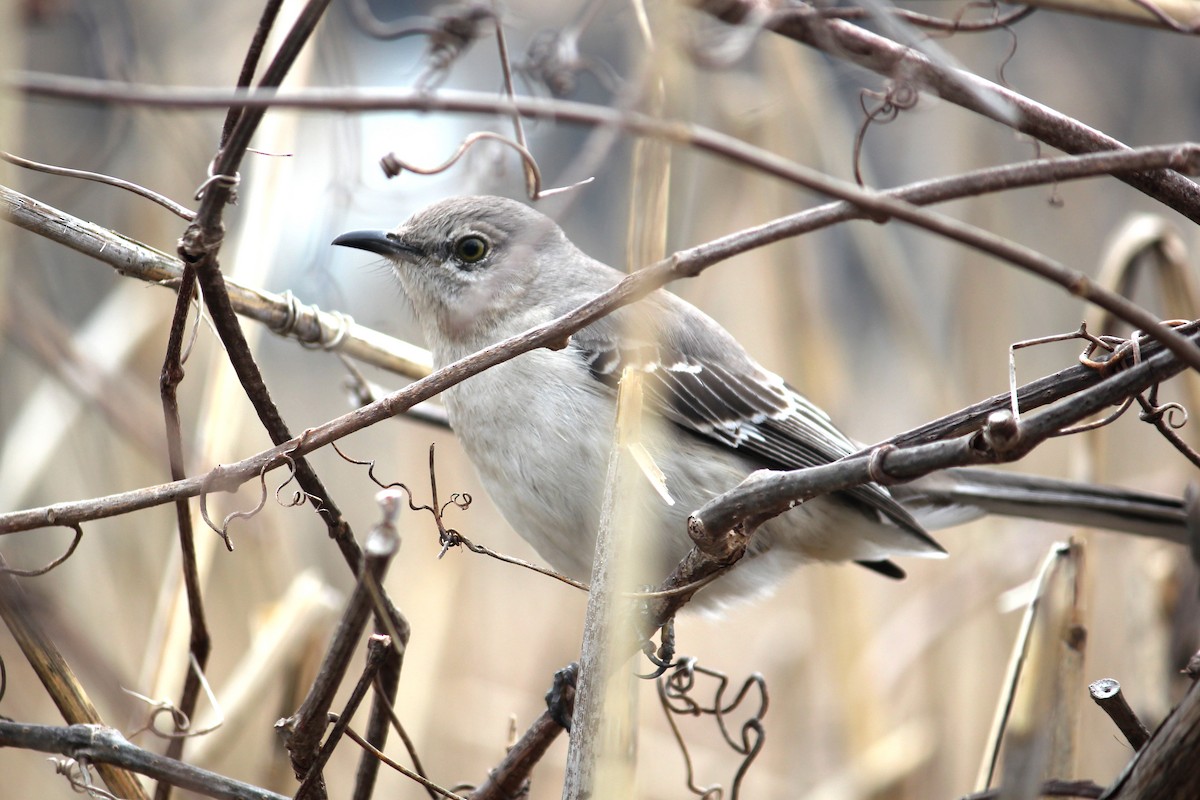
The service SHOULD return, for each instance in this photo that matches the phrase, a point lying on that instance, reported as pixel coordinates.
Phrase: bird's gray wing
(697, 376)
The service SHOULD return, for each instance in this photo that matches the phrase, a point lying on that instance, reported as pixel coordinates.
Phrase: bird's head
(474, 268)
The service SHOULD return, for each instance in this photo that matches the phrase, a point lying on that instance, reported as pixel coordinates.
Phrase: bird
(538, 428)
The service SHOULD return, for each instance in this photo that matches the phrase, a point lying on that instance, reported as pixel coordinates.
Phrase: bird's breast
(538, 437)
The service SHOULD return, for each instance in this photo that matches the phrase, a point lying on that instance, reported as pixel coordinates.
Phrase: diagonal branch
(901, 63)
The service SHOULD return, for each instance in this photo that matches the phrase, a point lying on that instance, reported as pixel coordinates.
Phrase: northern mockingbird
(539, 428)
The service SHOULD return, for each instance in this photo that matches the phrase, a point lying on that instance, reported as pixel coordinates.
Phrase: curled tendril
(1173, 414)
(675, 696)
(296, 312)
(553, 60)
(223, 529)
(449, 537)
(180, 720)
(299, 496)
(900, 95)
(32, 573)
(1168, 418)
(450, 34)
(392, 165)
(1121, 353)
(1099, 423)
(230, 182)
(80, 779)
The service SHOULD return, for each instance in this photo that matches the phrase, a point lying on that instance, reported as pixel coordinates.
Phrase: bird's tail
(959, 495)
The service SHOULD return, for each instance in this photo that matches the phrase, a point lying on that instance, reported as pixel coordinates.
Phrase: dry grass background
(878, 689)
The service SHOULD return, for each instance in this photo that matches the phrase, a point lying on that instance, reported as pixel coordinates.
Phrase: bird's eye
(471, 249)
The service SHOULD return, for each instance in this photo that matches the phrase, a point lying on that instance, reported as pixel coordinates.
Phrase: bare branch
(106, 747)
(869, 50)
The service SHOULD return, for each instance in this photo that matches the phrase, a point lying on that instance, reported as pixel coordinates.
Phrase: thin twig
(838, 476)
(162, 200)
(882, 54)
(403, 770)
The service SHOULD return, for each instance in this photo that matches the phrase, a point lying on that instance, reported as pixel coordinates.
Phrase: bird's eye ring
(471, 249)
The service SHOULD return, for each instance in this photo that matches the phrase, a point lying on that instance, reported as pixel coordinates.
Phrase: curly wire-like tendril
(553, 60)
(1105, 343)
(179, 719)
(33, 573)
(449, 537)
(392, 164)
(223, 529)
(299, 496)
(1099, 423)
(674, 696)
(98, 177)
(78, 777)
(1167, 418)
(231, 182)
(1119, 348)
(899, 96)
(1116, 347)
(955, 24)
(295, 312)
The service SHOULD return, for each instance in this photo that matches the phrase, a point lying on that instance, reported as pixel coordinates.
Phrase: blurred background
(878, 689)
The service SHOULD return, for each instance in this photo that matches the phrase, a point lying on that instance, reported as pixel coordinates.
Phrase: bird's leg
(664, 658)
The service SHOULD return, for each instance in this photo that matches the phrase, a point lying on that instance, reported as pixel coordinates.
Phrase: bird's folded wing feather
(697, 376)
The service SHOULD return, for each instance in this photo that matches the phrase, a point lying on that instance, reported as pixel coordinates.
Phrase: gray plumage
(538, 428)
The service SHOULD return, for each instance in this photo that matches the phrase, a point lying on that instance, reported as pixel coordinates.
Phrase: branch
(1002, 439)
(899, 62)
(871, 51)
(550, 334)
(98, 744)
(879, 205)
(1166, 765)
(283, 314)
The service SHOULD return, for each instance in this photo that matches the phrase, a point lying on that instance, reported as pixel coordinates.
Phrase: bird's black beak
(380, 242)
